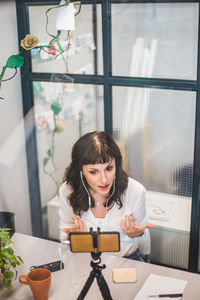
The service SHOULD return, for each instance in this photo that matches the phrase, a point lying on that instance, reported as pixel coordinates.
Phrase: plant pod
(56, 107)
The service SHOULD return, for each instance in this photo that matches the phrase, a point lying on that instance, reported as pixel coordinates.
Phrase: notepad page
(156, 284)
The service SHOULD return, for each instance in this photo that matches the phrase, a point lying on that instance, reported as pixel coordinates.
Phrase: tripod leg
(87, 286)
(105, 292)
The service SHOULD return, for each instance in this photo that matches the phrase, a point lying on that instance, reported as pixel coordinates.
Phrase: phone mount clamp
(96, 272)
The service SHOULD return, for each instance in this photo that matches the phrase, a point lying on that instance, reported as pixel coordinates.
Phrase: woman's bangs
(96, 156)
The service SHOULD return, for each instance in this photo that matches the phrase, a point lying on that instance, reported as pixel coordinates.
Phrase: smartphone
(84, 242)
(53, 266)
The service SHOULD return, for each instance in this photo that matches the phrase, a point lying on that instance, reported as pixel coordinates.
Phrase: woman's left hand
(133, 230)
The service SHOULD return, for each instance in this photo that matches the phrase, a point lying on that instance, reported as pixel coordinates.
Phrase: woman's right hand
(79, 226)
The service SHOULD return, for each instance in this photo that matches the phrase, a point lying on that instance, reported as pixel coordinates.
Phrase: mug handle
(23, 282)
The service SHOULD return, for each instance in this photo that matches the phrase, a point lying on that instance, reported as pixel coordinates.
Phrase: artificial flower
(40, 122)
(29, 42)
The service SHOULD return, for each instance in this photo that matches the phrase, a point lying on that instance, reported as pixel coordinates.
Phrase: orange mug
(39, 281)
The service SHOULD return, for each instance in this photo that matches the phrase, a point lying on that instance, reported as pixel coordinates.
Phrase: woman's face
(100, 176)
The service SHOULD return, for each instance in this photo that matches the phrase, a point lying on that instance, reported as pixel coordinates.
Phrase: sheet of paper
(156, 284)
(65, 17)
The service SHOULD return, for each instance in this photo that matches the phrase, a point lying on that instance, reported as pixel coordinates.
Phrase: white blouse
(133, 204)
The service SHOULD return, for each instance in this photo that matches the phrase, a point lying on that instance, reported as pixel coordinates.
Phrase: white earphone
(89, 198)
(112, 191)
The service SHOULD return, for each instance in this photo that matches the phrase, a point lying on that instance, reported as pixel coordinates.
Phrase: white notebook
(156, 284)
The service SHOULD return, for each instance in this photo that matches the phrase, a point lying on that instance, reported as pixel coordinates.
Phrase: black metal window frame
(107, 80)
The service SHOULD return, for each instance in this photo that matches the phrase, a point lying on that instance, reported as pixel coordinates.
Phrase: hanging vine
(31, 42)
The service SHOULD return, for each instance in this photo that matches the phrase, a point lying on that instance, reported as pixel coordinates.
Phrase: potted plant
(8, 260)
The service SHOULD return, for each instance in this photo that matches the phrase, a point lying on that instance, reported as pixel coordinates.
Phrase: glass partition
(63, 112)
(82, 47)
(150, 44)
(155, 129)
(161, 40)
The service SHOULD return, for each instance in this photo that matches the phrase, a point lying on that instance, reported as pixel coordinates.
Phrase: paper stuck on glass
(156, 285)
(65, 17)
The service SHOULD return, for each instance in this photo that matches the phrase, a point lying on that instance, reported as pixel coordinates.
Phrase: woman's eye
(92, 172)
(109, 168)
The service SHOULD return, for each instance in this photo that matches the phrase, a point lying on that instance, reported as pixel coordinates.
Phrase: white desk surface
(67, 283)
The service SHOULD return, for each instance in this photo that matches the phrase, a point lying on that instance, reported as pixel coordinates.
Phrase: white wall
(14, 195)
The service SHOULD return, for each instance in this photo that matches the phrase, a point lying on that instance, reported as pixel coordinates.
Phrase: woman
(96, 192)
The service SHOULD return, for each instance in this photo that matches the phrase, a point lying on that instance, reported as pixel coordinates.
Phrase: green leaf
(5, 239)
(15, 61)
(5, 253)
(17, 262)
(10, 250)
(45, 161)
(8, 274)
(49, 153)
(13, 265)
(56, 107)
(13, 260)
(20, 259)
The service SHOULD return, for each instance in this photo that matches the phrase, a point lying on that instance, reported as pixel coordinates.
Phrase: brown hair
(93, 148)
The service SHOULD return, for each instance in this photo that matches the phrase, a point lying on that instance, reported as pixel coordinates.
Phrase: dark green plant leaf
(10, 250)
(20, 259)
(49, 153)
(7, 259)
(17, 262)
(15, 61)
(8, 274)
(45, 161)
(6, 253)
(13, 265)
(4, 235)
(4, 238)
(56, 107)
(13, 259)
(6, 241)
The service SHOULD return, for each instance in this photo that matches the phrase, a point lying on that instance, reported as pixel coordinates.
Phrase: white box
(170, 238)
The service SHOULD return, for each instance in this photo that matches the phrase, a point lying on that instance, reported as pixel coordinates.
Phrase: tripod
(96, 273)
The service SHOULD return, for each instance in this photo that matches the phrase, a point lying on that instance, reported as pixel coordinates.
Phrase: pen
(166, 296)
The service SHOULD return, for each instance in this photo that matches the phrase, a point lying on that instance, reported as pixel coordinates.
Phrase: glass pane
(161, 40)
(63, 112)
(82, 47)
(155, 129)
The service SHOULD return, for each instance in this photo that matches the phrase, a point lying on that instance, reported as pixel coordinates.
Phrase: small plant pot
(7, 221)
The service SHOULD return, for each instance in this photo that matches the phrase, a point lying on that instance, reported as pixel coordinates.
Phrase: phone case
(124, 275)
(53, 266)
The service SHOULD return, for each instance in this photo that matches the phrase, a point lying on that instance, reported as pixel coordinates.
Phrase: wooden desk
(67, 284)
